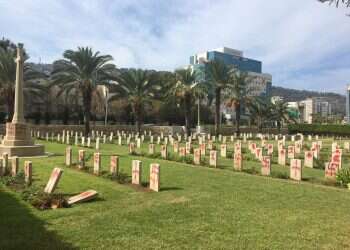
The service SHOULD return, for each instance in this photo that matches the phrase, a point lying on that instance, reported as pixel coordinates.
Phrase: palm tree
(139, 87)
(219, 77)
(238, 94)
(8, 79)
(84, 70)
(260, 111)
(280, 113)
(187, 88)
(337, 2)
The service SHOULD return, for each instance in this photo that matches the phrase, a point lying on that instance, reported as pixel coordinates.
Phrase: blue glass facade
(242, 63)
(261, 87)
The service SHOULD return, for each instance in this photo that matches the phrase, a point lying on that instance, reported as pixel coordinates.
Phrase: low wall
(107, 129)
(58, 128)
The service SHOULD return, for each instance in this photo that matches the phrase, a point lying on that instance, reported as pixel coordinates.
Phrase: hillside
(292, 95)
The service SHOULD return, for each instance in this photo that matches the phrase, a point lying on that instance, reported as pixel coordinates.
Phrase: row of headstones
(66, 135)
(114, 167)
(295, 164)
(331, 167)
(13, 170)
(28, 177)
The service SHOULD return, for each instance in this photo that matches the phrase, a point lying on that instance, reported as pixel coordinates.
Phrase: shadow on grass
(170, 188)
(20, 229)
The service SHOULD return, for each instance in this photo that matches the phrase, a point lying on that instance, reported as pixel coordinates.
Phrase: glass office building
(261, 86)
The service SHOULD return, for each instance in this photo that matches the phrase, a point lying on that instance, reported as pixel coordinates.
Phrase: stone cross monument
(18, 141)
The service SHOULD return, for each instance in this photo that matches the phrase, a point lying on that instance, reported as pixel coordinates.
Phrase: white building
(312, 106)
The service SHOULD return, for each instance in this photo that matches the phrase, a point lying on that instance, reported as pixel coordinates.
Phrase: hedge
(319, 129)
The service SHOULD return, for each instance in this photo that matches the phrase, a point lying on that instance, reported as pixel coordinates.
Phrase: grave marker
(81, 159)
(97, 163)
(291, 152)
(114, 165)
(270, 149)
(53, 181)
(203, 148)
(266, 166)
(258, 153)
(282, 157)
(85, 196)
(213, 158)
(337, 157)
(309, 159)
(154, 179)
(164, 151)
(237, 161)
(5, 157)
(223, 150)
(136, 172)
(15, 166)
(188, 147)
(151, 149)
(331, 169)
(68, 156)
(197, 156)
(28, 172)
(182, 151)
(295, 169)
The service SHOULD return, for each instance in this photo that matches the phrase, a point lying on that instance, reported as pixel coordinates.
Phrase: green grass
(197, 208)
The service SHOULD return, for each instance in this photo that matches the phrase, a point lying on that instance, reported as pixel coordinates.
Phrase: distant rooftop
(229, 51)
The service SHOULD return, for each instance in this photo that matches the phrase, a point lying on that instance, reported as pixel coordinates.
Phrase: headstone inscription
(154, 180)
(136, 172)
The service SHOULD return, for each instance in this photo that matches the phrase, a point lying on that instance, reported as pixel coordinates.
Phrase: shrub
(16, 182)
(41, 200)
(343, 176)
(320, 129)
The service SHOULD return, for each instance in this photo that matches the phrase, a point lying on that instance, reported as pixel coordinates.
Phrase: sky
(303, 44)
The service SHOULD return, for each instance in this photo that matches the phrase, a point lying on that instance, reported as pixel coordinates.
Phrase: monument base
(18, 142)
(23, 151)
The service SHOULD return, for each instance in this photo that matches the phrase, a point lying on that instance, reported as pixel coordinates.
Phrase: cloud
(302, 43)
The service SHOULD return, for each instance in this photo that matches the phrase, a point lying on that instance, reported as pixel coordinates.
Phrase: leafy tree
(11, 47)
(139, 87)
(219, 78)
(8, 79)
(238, 94)
(186, 88)
(84, 70)
(337, 2)
(260, 111)
(280, 113)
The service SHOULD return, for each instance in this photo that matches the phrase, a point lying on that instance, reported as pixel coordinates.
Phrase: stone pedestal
(18, 142)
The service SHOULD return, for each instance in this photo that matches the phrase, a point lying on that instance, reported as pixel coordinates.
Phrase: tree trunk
(138, 121)
(87, 111)
(279, 127)
(187, 102)
(138, 116)
(238, 118)
(217, 110)
(259, 125)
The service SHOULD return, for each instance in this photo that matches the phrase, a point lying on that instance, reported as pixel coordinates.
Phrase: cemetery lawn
(197, 208)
